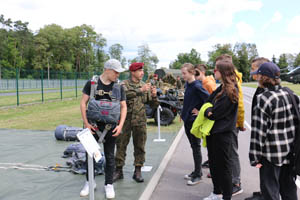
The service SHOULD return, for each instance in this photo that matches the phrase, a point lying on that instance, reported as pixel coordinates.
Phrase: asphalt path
(172, 184)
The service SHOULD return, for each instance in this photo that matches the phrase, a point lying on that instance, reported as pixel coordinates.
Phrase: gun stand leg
(158, 126)
(91, 177)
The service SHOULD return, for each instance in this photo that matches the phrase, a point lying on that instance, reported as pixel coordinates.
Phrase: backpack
(77, 160)
(104, 110)
(296, 148)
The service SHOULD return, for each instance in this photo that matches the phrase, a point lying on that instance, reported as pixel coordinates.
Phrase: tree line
(76, 49)
(242, 56)
(82, 49)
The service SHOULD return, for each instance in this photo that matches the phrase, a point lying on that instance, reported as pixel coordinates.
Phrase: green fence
(33, 86)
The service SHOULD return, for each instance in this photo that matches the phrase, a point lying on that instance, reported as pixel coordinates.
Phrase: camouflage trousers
(139, 136)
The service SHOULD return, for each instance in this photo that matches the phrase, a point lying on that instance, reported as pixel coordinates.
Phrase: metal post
(76, 74)
(17, 85)
(48, 73)
(158, 126)
(91, 177)
(61, 85)
(42, 85)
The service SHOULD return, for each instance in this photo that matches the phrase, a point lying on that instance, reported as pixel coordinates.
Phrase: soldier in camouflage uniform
(178, 83)
(169, 78)
(158, 84)
(153, 79)
(137, 95)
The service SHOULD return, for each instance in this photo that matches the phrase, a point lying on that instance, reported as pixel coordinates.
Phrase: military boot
(137, 176)
(118, 174)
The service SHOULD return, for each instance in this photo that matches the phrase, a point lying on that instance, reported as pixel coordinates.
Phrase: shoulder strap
(94, 84)
(116, 92)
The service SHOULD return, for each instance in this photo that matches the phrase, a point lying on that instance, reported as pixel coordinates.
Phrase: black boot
(137, 176)
(118, 174)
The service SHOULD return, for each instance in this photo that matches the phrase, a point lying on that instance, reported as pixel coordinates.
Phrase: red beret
(136, 66)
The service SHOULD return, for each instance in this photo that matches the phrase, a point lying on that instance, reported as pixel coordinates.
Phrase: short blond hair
(190, 67)
(257, 62)
(225, 56)
(201, 67)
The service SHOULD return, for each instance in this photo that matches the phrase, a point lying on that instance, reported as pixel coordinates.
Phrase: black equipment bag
(67, 133)
(104, 110)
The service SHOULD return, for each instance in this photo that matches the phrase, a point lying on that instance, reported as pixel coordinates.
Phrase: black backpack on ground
(296, 147)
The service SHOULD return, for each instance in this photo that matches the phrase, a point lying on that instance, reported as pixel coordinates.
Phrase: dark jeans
(277, 181)
(196, 148)
(219, 148)
(109, 153)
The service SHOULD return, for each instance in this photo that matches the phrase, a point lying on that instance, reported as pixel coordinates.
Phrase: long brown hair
(229, 80)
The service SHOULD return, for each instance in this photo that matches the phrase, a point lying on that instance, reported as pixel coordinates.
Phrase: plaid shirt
(272, 127)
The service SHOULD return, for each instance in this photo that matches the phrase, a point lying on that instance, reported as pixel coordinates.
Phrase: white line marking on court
(247, 101)
(248, 125)
(298, 183)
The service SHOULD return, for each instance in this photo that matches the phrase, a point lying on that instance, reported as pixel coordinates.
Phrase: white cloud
(284, 44)
(245, 31)
(168, 27)
(294, 25)
(275, 18)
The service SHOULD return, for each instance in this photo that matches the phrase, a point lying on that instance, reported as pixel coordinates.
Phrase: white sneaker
(213, 196)
(109, 191)
(188, 176)
(86, 189)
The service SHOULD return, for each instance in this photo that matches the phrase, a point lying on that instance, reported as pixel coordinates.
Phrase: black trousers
(196, 148)
(277, 181)
(219, 148)
(109, 153)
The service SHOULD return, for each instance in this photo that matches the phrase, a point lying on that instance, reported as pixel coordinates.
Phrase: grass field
(31, 90)
(47, 116)
(294, 87)
(36, 97)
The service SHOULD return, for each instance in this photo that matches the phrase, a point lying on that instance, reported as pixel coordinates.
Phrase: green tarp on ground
(32, 149)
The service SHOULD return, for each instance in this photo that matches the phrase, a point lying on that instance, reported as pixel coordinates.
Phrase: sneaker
(205, 164)
(213, 196)
(188, 176)
(236, 189)
(194, 180)
(109, 191)
(256, 196)
(86, 189)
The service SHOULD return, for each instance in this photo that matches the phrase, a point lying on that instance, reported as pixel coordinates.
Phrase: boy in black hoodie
(194, 97)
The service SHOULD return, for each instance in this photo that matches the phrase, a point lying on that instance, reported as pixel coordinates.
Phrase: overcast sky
(171, 27)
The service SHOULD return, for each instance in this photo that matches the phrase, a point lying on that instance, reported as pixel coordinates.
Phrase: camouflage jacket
(178, 84)
(136, 100)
